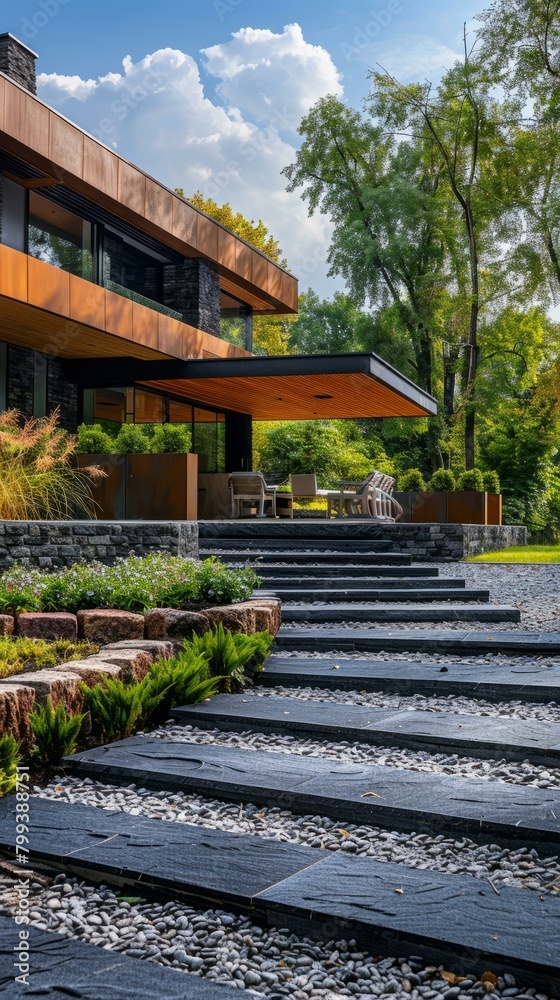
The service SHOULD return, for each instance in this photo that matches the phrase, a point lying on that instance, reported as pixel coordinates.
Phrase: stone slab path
(395, 798)
(461, 641)
(491, 681)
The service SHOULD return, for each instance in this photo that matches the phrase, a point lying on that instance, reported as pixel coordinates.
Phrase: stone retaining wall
(53, 544)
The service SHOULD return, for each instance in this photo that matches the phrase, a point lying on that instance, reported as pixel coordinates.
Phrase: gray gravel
(227, 948)
(520, 867)
(511, 772)
(456, 704)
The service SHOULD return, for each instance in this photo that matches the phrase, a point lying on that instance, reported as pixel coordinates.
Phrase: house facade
(115, 293)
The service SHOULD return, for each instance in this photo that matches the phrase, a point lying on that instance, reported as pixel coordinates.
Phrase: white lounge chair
(250, 486)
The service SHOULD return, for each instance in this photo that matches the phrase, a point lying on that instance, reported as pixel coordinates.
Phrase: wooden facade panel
(274, 281)
(207, 238)
(26, 119)
(66, 148)
(244, 261)
(87, 303)
(289, 294)
(193, 342)
(131, 187)
(118, 315)
(13, 273)
(101, 168)
(159, 205)
(48, 287)
(2, 95)
(185, 222)
(144, 326)
(170, 335)
(260, 272)
(226, 249)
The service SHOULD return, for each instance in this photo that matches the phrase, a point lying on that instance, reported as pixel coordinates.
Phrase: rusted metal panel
(467, 507)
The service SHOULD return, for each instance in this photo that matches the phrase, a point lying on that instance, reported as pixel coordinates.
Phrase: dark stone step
(394, 613)
(365, 584)
(471, 735)
(298, 531)
(388, 908)
(180, 859)
(406, 800)
(61, 967)
(463, 642)
(301, 555)
(491, 681)
(340, 595)
(279, 545)
(428, 574)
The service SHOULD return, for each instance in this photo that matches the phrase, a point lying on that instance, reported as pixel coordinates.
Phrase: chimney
(18, 62)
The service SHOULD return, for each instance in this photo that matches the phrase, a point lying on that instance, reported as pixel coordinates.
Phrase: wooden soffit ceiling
(286, 388)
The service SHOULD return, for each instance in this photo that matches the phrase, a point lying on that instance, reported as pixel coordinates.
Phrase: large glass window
(59, 237)
(149, 407)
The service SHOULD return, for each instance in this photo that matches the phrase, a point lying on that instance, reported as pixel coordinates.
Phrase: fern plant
(229, 654)
(9, 760)
(117, 709)
(183, 680)
(55, 732)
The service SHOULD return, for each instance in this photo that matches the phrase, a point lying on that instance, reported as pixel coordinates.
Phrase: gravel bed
(388, 656)
(456, 704)
(228, 948)
(510, 772)
(460, 625)
(519, 867)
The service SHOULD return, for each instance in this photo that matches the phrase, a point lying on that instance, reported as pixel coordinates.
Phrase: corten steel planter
(457, 507)
(145, 487)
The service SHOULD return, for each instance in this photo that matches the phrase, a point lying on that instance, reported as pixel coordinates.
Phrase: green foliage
(38, 480)
(9, 760)
(117, 709)
(55, 732)
(228, 655)
(442, 481)
(131, 440)
(134, 584)
(171, 438)
(19, 654)
(472, 479)
(183, 680)
(93, 440)
(412, 481)
(332, 449)
(491, 481)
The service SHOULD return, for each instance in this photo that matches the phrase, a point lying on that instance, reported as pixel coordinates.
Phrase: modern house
(113, 292)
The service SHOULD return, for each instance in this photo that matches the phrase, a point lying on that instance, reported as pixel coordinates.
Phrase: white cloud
(272, 77)
(423, 58)
(156, 113)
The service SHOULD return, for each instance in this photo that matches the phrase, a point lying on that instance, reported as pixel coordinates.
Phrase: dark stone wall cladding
(62, 394)
(17, 62)
(193, 289)
(53, 544)
(20, 379)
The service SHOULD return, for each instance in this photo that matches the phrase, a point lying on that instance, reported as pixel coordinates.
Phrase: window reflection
(58, 237)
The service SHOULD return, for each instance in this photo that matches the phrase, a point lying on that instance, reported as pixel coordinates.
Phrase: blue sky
(211, 93)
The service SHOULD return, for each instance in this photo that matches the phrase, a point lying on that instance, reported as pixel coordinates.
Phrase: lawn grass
(18, 655)
(521, 554)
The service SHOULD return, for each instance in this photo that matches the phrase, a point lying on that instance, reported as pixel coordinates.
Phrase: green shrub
(471, 480)
(229, 654)
(55, 732)
(219, 584)
(491, 481)
(19, 654)
(171, 439)
(117, 709)
(412, 481)
(442, 481)
(131, 440)
(9, 760)
(93, 440)
(183, 680)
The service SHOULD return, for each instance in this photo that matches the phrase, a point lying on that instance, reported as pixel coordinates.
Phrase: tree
(521, 43)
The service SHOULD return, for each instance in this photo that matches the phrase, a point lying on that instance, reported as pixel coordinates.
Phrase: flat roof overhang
(308, 387)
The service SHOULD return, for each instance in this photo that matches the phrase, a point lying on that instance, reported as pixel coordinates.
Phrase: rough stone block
(61, 685)
(234, 617)
(105, 625)
(93, 670)
(6, 625)
(132, 663)
(159, 649)
(16, 702)
(163, 623)
(272, 605)
(47, 625)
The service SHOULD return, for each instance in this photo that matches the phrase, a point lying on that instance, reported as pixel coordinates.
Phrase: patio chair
(250, 486)
(357, 500)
